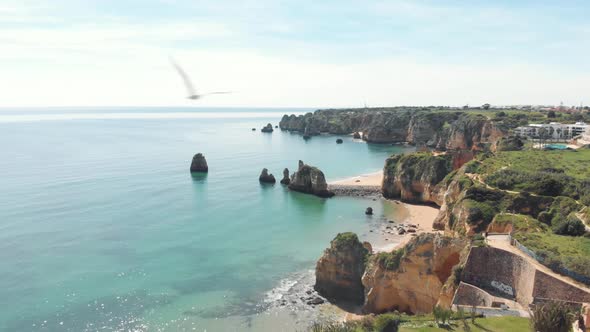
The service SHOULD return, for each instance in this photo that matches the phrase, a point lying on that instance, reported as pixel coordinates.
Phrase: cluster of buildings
(554, 130)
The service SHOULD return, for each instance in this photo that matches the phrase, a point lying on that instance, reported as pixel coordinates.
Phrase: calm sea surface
(102, 227)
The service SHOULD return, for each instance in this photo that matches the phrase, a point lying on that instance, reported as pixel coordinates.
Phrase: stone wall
(504, 274)
(468, 295)
(548, 287)
(501, 273)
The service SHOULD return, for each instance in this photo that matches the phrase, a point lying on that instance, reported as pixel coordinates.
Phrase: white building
(553, 130)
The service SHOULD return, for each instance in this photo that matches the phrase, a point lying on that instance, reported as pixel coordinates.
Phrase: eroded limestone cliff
(411, 279)
(441, 130)
(412, 177)
(415, 284)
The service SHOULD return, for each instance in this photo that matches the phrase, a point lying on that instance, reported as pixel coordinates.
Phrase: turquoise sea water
(102, 227)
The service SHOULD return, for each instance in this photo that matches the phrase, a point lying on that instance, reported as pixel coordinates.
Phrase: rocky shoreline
(356, 190)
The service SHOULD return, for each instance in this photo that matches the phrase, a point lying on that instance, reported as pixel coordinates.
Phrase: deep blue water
(102, 227)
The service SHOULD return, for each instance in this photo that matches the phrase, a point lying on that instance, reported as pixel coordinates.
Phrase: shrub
(457, 274)
(333, 327)
(343, 240)
(441, 315)
(386, 323)
(572, 226)
(552, 317)
(390, 260)
(480, 211)
(472, 166)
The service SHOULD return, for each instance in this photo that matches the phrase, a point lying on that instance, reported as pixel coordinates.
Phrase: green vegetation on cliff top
(557, 251)
(390, 260)
(426, 323)
(347, 239)
(573, 163)
(548, 173)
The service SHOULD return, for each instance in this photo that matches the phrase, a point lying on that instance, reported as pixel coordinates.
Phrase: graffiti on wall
(506, 289)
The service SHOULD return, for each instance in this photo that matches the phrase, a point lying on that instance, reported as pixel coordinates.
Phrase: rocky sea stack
(199, 163)
(310, 180)
(265, 177)
(340, 269)
(285, 179)
(267, 129)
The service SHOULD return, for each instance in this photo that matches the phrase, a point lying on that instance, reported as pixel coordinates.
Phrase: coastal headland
(472, 190)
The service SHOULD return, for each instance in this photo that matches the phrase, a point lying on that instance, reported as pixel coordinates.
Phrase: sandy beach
(405, 214)
(371, 179)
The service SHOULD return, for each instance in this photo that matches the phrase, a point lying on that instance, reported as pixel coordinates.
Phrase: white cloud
(261, 80)
(121, 62)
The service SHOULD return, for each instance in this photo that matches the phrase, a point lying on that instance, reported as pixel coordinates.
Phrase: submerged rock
(310, 180)
(285, 179)
(253, 129)
(199, 163)
(267, 129)
(369, 211)
(339, 141)
(265, 177)
(339, 271)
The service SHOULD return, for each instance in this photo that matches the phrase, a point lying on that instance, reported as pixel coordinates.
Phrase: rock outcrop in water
(310, 180)
(285, 179)
(390, 279)
(265, 177)
(413, 177)
(441, 130)
(339, 270)
(199, 163)
(267, 129)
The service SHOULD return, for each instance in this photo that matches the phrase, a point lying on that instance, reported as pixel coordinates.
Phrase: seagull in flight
(192, 93)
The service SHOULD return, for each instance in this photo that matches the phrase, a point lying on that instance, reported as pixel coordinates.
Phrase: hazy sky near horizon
(294, 53)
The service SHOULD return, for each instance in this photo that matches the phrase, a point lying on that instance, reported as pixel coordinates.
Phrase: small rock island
(199, 164)
(265, 177)
(267, 129)
(310, 180)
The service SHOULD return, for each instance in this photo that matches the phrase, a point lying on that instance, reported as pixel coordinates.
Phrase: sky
(294, 53)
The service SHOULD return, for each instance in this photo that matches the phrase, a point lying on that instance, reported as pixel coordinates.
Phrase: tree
(551, 114)
(572, 226)
(486, 106)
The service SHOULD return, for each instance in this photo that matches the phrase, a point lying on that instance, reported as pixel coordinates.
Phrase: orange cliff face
(339, 270)
(416, 285)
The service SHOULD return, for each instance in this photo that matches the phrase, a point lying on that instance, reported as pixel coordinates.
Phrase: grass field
(574, 163)
(572, 253)
(492, 324)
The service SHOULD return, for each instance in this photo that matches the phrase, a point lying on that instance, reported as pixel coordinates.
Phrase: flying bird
(192, 93)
